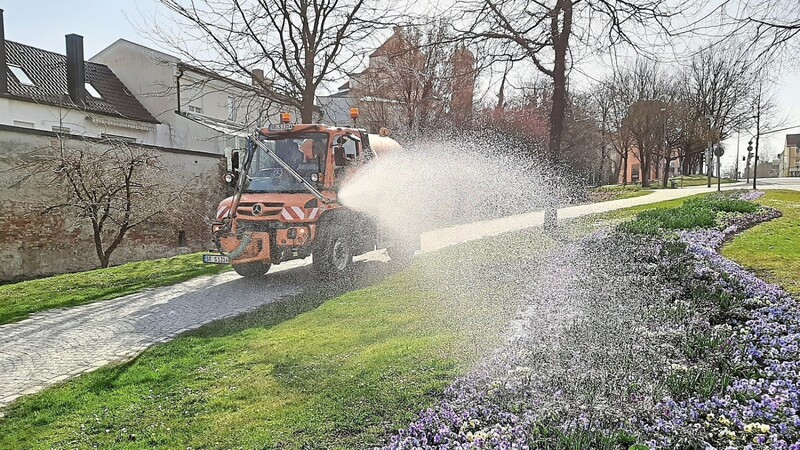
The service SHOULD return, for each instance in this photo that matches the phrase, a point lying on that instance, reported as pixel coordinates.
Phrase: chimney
(3, 66)
(76, 75)
(258, 77)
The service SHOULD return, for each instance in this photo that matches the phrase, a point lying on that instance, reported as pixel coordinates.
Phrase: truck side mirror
(338, 156)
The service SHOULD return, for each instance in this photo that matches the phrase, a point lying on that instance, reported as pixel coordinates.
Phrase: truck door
(353, 158)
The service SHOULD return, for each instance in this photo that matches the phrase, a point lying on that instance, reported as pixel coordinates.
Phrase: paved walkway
(55, 345)
(445, 237)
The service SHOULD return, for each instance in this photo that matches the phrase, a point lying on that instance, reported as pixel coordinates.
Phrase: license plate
(281, 126)
(216, 259)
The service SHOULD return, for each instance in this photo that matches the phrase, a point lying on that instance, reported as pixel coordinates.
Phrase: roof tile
(48, 71)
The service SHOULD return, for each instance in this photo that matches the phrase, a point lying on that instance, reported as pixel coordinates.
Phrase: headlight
(314, 177)
(229, 178)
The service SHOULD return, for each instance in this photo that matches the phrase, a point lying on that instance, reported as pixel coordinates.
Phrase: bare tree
(766, 29)
(633, 101)
(114, 187)
(611, 107)
(762, 106)
(542, 33)
(300, 44)
(416, 78)
(718, 83)
(645, 124)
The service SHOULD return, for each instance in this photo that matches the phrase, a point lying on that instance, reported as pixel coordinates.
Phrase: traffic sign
(719, 151)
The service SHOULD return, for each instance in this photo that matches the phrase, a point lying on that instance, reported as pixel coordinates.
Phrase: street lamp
(747, 159)
(709, 154)
(666, 151)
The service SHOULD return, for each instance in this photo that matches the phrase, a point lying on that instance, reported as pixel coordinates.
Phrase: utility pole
(709, 152)
(758, 132)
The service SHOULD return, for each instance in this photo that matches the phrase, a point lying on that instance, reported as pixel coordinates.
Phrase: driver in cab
(290, 153)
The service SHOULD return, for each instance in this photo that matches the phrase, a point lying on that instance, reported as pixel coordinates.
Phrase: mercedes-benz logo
(257, 208)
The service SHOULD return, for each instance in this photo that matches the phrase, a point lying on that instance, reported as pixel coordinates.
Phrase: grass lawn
(304, 373)
(630, 212)
(616, 192)
(772, 249)
(19, 300)
(632, 194)
(692, 180)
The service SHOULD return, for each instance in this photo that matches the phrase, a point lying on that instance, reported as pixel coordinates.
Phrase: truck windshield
(304, 153)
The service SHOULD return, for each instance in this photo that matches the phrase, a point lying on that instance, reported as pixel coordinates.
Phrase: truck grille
(270, 209)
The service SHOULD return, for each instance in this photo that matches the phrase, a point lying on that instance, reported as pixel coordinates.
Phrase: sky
(44, 23)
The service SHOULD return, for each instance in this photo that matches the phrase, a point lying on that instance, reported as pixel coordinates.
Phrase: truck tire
(333, 256)
(251, 269)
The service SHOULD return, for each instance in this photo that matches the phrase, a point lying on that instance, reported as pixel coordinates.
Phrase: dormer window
(20, 75)
(92, 91)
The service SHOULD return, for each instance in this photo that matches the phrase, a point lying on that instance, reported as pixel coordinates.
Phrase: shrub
(700, 212)
(722, 204)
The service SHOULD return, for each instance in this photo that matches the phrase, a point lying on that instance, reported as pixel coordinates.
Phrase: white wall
(35, 244)
(152, 78)
(147, 73)
(45, 117)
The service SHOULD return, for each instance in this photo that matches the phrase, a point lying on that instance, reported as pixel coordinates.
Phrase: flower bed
(635, 341)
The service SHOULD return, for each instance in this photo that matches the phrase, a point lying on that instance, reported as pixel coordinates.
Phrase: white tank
(383, 145)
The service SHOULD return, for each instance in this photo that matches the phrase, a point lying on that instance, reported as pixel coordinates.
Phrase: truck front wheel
(333, 256)
(251, 269)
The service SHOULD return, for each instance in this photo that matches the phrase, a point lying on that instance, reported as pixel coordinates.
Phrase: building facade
(790, 157)
(48, 91)
(634, 173)
(50, 102)
(199, 110)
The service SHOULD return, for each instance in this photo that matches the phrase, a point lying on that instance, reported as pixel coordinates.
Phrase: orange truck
(285, 204)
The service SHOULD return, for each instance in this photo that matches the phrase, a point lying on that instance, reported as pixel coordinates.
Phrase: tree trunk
(617, 171)
(625, 169)
(307, 106)
(559, 99)
(645, 169)
(98, 244)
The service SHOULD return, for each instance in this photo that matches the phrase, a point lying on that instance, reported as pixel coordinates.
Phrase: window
(92, 91)
(350, 150)
(23, 124)
(116, 137)
(61, 130)
(192, 97)
(20, 75)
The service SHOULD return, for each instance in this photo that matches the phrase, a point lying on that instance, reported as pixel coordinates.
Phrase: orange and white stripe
(296, 213)
(222, 212)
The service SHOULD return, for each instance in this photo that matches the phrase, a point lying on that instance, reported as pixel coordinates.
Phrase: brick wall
(33, 244)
